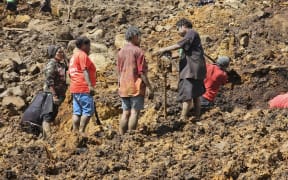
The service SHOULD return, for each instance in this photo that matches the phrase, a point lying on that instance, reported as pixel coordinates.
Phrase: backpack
(31, 121)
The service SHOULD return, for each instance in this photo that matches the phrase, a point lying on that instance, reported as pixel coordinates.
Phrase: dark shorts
(189, 89)
(205, 102)
(11, 6)
(136, 103)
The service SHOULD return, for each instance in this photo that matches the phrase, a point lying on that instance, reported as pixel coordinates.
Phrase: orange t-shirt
(78, 63)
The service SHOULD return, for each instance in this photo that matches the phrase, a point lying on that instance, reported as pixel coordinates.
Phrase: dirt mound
(238, 139)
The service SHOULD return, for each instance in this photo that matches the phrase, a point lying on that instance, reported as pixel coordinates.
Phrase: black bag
(31, 120)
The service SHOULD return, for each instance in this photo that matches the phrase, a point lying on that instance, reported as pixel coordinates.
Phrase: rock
(11, 77)
(14, 101)
(8, 64)
(17, 91)
(90, 25)
(206, 39)
(98, 48)
(14, 56)
(159, 28)
(34, 69)
(119, 41)
(42, 25)
(236, 4)
(244, 41)
(284, 50)
(95, 34)
(64, 33)
(2, 87)
(121, 18)
(99, 18)
(71, 45)
(19, 19)
(99, 60)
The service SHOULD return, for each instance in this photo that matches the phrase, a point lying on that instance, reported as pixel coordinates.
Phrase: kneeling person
(215, 78)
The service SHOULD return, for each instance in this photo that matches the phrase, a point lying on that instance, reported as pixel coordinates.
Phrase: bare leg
(76, 122)
(197, 106)
(185, 109)
(123, 127)
(46, 129)
(83, 124)
(133, 120)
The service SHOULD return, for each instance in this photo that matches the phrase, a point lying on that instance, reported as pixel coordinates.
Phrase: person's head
(223, 62)
(133, 35)
(183, 25)
(83, 43)
(56, 52)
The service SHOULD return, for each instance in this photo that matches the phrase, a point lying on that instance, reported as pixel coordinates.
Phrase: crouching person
(215, 78)
(82, 81)
(55, 86)
(132, 72)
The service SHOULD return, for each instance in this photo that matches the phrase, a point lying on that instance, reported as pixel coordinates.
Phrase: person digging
(192, 68)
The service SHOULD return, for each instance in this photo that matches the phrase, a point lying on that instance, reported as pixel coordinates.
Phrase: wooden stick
(15, 29)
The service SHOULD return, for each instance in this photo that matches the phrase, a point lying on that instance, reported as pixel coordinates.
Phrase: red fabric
(131, 64)
(78, 63)
(280, 101)
(215, 78)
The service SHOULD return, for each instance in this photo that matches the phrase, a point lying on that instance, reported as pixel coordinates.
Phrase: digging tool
(165, 66)
(209, 57)
(98, 122)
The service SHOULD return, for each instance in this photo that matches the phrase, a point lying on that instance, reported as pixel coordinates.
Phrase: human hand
(56, 100)
(150, 93)
(158, 52)
(91, 90)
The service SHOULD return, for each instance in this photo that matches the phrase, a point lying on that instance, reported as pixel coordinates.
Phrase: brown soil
(240, 138)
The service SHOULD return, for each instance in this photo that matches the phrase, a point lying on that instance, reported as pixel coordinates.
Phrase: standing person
(11, 5)
(82, 82)
(192, 67)
(55, 85)
(132, 76)
(46, 6)
(215, 78)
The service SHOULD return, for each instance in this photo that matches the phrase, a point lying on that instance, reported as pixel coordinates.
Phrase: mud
(239, 138)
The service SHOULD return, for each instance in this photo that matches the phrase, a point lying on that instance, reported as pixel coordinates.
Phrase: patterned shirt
(55, 75)
(131, 65)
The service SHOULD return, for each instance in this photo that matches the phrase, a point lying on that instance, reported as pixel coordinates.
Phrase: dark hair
(184, 22)
(82, 40)
(131, 32)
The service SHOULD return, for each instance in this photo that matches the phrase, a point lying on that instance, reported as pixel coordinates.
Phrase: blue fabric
(136, 103)
(83, 104)
(205, 102)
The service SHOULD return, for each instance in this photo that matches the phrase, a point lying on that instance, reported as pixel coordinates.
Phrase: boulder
(2, 87)
(236, 4)
(99, 60)
(98, 48)
(14, 56)
(120, 41)
(34, 69)
(244, 41)
(14, 101)
(95, 34)
(64, 33)
(11, 77)
(17, 91)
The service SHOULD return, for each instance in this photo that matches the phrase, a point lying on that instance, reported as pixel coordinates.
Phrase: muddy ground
(239, 138)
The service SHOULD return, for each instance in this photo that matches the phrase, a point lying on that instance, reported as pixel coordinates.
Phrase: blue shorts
(83, 104)
(136, 103)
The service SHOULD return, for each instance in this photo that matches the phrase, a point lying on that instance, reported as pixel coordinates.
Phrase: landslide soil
(239, 138)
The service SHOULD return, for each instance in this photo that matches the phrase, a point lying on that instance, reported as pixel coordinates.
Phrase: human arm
(50, 74)
(150, 91)
(169, 48)
(88, 81)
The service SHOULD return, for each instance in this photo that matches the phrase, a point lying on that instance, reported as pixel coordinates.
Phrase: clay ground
(239, 138)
